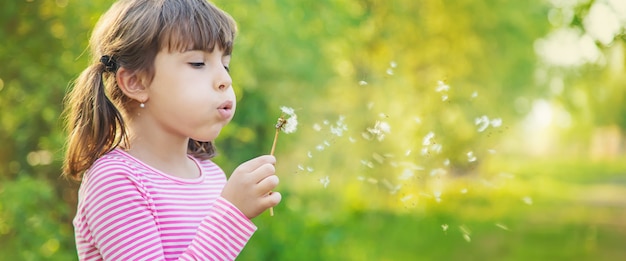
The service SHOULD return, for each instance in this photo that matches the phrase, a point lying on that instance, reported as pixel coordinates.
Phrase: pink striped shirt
(130, 211)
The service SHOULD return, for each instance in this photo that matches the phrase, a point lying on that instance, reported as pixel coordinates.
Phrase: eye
(196, 65)
(227, 68)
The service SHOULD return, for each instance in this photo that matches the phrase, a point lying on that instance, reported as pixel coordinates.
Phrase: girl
(142, 118)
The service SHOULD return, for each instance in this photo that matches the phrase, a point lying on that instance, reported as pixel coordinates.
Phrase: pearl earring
(142, 105)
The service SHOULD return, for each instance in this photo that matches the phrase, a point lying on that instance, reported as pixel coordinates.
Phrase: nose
(224, 81)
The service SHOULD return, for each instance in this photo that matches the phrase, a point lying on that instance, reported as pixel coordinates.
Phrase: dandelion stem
(272, 153)
(274, 144)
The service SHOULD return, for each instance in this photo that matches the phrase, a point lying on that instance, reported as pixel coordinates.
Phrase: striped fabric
(130, 211)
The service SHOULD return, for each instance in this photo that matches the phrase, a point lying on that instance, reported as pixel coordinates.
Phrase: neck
(161, 150)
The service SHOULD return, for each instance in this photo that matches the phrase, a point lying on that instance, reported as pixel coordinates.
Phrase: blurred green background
(428, 130)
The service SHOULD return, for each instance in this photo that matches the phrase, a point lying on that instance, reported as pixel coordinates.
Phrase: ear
(131, 84)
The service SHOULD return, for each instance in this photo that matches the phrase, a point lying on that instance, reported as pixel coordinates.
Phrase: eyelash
(197, 65)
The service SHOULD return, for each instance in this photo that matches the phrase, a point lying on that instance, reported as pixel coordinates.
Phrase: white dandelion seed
(362, 83)
(393, 64)
(326, 122)
(442, 87)
(471, 157)
(436, 148)
(491, 151)
(406, 198)
(482, 123)
(424, 151)
(437, 172)
(406, 174)
(320, 147)
(309, 154)
(503, 227)
(527, 200)
(417, 120)
(287, 110)
(309, 169)
(497, 122)
(352, 140)
(444, 227)
(446, 162)
(464, 191)
(317, 127)
(444, 97)
(389, 71)
(360, 178)
(428, 138)
(300, 167)
(474, 94)
(407, 152)
(325, 181)
(467, 238)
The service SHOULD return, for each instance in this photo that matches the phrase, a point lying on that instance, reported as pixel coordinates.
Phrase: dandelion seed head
(291, 124)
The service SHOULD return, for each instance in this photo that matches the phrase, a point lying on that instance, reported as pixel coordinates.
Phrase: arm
(116, 217)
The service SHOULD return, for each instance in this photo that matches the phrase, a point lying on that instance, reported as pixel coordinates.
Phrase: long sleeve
(121, 216)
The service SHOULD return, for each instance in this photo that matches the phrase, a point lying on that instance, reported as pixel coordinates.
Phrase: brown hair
(131, 33)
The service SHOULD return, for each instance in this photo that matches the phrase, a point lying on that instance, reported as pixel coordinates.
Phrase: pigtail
(201, 149)
(94, 123)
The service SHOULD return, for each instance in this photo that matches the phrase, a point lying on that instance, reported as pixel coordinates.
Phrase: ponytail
(94, 123)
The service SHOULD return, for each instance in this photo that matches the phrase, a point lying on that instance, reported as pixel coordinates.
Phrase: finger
(272, 199)
(267, 184)
(263, 172)
(255, 163)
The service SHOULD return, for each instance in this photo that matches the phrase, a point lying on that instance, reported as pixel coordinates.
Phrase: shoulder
(111, 167)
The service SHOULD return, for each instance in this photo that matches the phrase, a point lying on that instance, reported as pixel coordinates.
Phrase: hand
(250, 186)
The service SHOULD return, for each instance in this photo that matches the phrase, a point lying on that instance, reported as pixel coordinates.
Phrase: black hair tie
(109, 63)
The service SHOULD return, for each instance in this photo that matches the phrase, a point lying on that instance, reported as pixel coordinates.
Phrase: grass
(574, 210)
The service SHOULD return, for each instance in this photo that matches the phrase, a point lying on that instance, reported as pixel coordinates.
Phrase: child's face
(191, 93)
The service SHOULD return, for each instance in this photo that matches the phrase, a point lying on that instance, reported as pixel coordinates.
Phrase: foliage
(362, 68)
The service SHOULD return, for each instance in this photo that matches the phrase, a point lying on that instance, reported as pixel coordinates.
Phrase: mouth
(226, 109)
